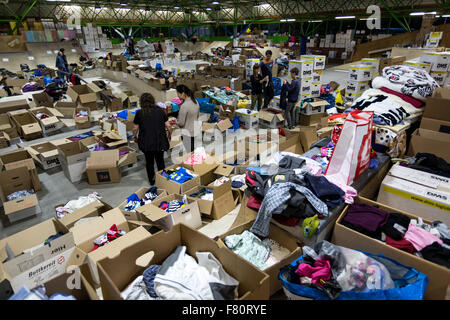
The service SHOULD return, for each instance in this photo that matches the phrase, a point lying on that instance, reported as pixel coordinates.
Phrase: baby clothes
(112, 234)
(171, 206)
(221, 181)
(179, 175)
(420, 238)
(204, 193)
(19, 194)
(365, 219)
(396, 226)
(320, 271)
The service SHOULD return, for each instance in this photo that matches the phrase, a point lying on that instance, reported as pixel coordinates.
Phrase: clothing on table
(112, 234)
(396, 226)
(420, 238)
(366, 219)
(150, 157)
(152, 130)
(326, 191)
(276, 197)
(437, 254)
(179, 175)
(416, 103)
(401, 244)
(180, 277)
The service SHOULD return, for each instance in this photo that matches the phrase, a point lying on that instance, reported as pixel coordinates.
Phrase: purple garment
(123, 153)
(98, 148)
(366, 217)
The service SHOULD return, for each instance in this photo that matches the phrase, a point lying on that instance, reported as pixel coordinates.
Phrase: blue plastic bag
(47, 80)
(158, 66)
(410, 284)
(123, 114)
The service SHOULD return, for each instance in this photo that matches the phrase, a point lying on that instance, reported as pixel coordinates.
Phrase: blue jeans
(62, 75)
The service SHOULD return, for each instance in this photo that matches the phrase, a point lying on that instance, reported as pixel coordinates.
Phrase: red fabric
(403, 245)
(416, 103)
(290, 222)
(281, 131)
(337, 116)
(254, 203)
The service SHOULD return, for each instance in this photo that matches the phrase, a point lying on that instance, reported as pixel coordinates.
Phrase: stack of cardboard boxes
(357, 81)
(439, 62)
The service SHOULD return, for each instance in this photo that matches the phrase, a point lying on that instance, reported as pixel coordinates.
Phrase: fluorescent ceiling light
(445, 15)
(176, 7)
(215, 2)
(315, 21)
(283, 20)
(194, 11)
(417, 13)
(290, 19)
(345, 17)
(208, 9)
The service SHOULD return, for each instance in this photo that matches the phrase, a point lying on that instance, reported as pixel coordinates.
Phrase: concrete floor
(57, 189)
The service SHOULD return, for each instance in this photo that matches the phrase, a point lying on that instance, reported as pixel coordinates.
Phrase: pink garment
(414, 102)
(194, 159)
(419, 237)
(350, 192)
(321, 270)
(177, 100)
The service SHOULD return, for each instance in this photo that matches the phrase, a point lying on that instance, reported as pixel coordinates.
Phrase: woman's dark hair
(147, 102)
(184, 89)
(269, 52)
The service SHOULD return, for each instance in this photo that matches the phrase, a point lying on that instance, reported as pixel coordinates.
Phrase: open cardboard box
(43, 262)
(8, 126)
(272, 119)
(140, 193)
(84, 95)
(437, 105)
(189, 214)
(51, 123)
(85, 234)
(205, 170)
(112, 140)
(118, 270)
(45, 154)
(435, 125)
(17, 180)
(42, 99)
(72, 156)
(222, 204)
(127, 159)
(102, 167)
(421, 193)
(93, 209)
(423, 140)
(173, 187)
(283, 238)
(439, 276)
(82, 122)
(13, 105)
(27, 126)
(21, 158)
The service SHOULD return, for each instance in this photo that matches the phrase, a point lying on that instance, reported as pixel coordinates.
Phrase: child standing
(256, 80)
(293, 91)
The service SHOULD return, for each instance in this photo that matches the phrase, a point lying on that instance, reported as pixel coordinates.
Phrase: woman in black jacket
(150, 123)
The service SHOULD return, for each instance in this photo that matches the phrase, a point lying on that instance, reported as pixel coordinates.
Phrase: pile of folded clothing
(173, 205)
(204, 194)
(112, 234)
(134, 201)
(179, 175)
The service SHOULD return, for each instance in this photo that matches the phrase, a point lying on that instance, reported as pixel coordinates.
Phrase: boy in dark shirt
(292, 98)
(256, 80)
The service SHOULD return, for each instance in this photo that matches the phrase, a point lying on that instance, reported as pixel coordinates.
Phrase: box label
(420, 199)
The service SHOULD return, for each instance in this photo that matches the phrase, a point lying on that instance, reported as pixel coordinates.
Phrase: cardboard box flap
(56, 113)
(264, 115)
(94, 87)
(20, 204)
(224, 124)
(90, 231)
(82, 212)
(318, 102)
(89, 97)
(102, 159)
(423, 178)
(224, 170)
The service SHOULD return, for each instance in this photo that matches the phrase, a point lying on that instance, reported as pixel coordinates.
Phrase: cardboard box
(173, 187)
(304, 66)
(135, 216)
(439, 276)
(116, 273)
(439, 77)
(271, 119)
(308, 135)
(283, 238)
(423, 140)
(41, 264)
(102, 167)
(111, 140)
(72, 156)
(127, 159)
(189, 214)
(21, 158)
(13, 82)
(437, 106)
(85, 234)
(359, 72)
(67, 109)
(82, 122)
(5, 140)
(435, 125)
(27, 126)
(51, 123)
(309, 120)
(93, 209)
(42, 100)
(314, 107)
(59, 285)
(45, 154)
(424, 194)
(319, 61)
(84, 95)
(222, 204)
(16, 180)
(356, 86)
(8, 126)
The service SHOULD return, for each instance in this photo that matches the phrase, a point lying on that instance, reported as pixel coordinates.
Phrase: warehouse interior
(225, 150)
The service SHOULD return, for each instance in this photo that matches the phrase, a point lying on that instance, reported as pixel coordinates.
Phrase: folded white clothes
(208, 196)
(221, 181)
(180, 277)
(239, 178)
